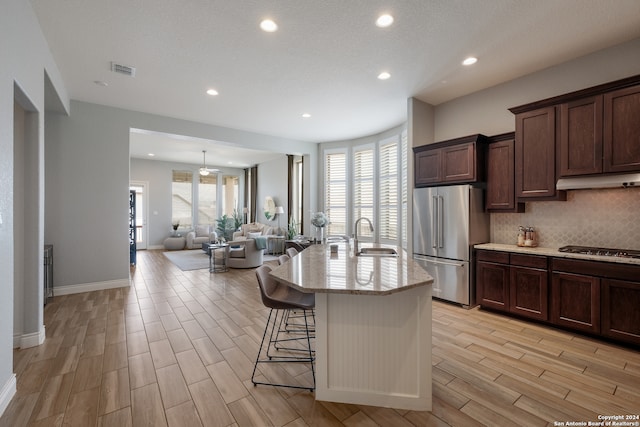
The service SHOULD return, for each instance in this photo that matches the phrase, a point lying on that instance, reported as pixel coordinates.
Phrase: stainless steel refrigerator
(447, 222)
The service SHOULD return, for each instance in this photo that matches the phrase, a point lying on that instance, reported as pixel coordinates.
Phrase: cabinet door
(620, 313)
(622, 130)
(535, 153)
(581, 137)
(427, 167)
(528, 292)
(501, 178)
(492, 285)
(459, 163)
(576, 301)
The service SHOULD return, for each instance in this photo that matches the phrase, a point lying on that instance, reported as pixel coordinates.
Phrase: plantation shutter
(335, 196)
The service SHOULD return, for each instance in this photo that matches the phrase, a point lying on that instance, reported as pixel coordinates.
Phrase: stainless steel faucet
(355, 234)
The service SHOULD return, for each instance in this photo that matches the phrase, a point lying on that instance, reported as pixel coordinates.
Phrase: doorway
(142, 233)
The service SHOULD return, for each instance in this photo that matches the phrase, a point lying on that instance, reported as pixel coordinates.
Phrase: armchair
(245, 255)
(202, 234)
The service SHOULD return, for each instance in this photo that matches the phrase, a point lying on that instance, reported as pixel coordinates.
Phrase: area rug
(196, 259)
(188, 259)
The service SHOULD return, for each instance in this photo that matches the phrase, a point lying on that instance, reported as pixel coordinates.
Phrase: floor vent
(123, 69)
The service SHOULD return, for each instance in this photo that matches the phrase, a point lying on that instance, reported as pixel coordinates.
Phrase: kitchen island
(373, 325)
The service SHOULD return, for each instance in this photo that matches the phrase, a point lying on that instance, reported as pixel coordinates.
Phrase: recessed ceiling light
(151, 155)
(384, 21)
(384, 75)
(306, 115)
(212, 92)
(268, 25)
(101, 83)
(470, 60)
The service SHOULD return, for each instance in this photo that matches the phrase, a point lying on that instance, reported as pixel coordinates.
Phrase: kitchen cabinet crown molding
(572, 96)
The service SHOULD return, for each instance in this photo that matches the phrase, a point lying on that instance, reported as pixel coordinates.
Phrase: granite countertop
(554, 253)
(317, 270)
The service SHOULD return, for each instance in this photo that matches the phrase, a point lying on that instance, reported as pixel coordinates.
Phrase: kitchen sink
(390, 252)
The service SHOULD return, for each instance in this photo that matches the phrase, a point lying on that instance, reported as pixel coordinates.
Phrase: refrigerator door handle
(440, 221)
(434, 222)
(433, 261)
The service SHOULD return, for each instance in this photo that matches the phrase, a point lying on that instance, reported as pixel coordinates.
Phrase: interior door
(141, 213)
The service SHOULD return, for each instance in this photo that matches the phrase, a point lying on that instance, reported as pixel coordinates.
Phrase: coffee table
(218, 254)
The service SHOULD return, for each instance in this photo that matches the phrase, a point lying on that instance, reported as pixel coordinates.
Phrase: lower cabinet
(529, 292)
(575, 301)
(513, 283)
(599, 298)
(620, 310)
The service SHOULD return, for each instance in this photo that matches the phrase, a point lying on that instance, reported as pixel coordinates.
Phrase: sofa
(254, 229)
(201, 234)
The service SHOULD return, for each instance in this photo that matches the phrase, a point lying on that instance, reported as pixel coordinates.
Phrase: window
(207, 197)
(182, 198)
(404, 185)
(230, 195)
(335, 195)
(363, 187)
(388, 198)
(378, 188)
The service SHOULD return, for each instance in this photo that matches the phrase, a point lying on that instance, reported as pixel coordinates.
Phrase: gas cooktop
(587, 250)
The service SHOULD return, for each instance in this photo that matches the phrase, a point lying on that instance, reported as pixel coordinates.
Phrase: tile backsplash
(605, 218)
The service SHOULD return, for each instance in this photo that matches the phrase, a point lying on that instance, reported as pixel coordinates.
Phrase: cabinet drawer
(609, 270)
(534, 261)
(493, 256)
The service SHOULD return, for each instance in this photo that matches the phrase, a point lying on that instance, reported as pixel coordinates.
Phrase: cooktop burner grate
(587, 250)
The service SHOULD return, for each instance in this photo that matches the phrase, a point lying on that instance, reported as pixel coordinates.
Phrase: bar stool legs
(275, 352)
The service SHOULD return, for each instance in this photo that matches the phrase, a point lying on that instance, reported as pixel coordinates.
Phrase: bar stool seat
(283, 299)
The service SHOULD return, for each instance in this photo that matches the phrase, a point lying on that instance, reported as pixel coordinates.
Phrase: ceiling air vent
(123, 69)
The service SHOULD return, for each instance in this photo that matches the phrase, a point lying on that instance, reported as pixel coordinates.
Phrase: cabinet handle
(434, 222)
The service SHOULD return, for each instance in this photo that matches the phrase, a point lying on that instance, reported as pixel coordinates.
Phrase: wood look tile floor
(177, 349)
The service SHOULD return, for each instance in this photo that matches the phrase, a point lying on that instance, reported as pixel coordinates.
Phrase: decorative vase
(319, 234)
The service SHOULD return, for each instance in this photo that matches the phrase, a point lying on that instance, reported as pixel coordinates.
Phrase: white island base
(375, 349)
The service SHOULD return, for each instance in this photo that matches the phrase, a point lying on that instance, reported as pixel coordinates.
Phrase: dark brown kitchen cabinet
(535, 152)
(581, 137)
(501, 196)
(513, 283)
(575, 301)
(622, 130)
(528, 292)
(455, 161)
(620, 310)
(492, 279)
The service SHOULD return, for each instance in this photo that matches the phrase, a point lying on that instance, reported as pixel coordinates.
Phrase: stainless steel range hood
(600, 181)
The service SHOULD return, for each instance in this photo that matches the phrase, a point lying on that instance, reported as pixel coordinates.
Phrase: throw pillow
(254, 235)
(202, 231)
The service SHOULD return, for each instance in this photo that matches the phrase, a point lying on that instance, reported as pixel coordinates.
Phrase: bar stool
(282, 299)
(292, 252)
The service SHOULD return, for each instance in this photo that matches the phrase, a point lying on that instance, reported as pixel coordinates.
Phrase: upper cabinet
(588, 132)
(622, 130)
(601, 133)
(455, 161)
(581, 137)
(501, 194)
(535, 149)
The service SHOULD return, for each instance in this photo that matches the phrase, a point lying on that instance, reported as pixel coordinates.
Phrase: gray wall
(25, 60)
(487, 111)
(272, 181)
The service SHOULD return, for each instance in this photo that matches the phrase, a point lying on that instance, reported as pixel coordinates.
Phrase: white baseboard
(152, 247)
(7, 393)
(88, 287)
(29, 340)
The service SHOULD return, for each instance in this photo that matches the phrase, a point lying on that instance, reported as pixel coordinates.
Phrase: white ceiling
(323, 60)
